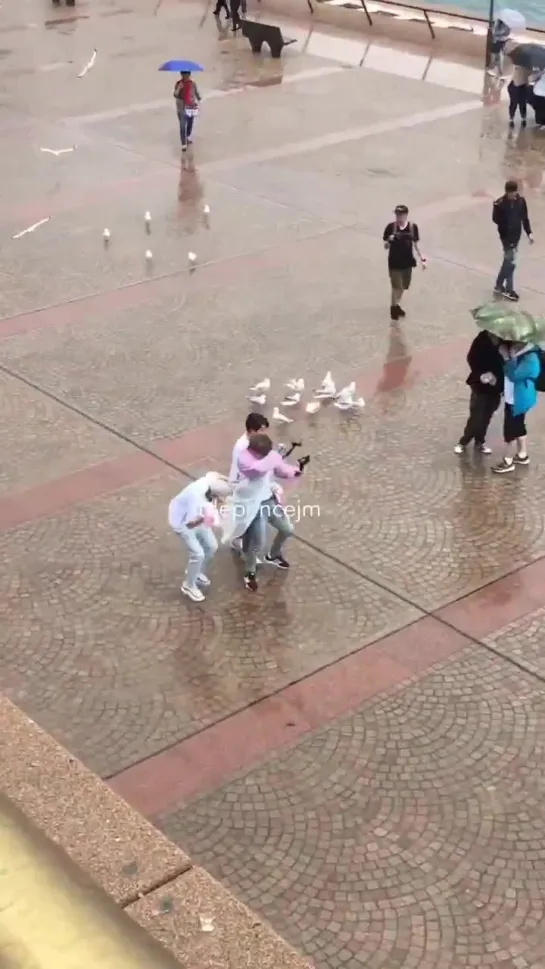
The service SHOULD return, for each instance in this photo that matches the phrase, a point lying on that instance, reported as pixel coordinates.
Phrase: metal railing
(426, 11)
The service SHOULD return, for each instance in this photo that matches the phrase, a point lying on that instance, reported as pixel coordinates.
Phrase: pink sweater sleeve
(252, 467)
(282, 469)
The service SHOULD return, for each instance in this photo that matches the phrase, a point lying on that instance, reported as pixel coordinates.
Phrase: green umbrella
(509, 322)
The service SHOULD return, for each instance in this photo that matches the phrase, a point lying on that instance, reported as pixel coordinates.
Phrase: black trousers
(518, 98)
(221, 5)
(235, 14)
(481, 409)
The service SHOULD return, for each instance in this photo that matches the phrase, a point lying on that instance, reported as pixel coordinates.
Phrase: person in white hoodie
(271, 510)
(191, 514)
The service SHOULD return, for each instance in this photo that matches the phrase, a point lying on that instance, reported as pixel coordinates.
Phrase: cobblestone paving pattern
(409, 834)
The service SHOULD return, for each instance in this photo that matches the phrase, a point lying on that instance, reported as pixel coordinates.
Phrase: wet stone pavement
(356, 751)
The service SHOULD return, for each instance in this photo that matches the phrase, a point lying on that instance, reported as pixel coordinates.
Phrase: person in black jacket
(486, 382)
(510, 215)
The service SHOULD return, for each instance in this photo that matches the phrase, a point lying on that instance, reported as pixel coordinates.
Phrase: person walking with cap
(401, 238)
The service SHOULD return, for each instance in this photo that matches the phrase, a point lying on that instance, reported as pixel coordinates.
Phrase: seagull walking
(149, 255)
(345, 397)
(147, 222)
(31, 228)
(327, 388)
(192, 259)
(281, 418)
(89, 64)
(261, 387)
(260, 399)
(313, 407)
(291, 400)
(106, 235)
(296, 384)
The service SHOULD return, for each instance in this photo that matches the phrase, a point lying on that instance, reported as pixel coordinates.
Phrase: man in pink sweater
(256, 464)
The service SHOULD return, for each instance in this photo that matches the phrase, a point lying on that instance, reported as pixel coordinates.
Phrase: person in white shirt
(191, 514)
(270, 510)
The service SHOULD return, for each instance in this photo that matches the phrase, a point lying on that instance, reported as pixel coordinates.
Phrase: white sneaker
(483, 448)
(203, 580)
(192, 593)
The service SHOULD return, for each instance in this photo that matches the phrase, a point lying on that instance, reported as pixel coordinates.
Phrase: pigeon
(281, 418)
(149, 255)
(261, 386)
(327, 388)
(296, 384)
(260, 399)
(291, 400)
(313, 407)
(59, 151)
(31, 228)
(89, 64)
(147, 220)
(106, 235)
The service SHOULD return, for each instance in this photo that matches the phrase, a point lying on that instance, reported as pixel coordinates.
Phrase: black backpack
(540, 380)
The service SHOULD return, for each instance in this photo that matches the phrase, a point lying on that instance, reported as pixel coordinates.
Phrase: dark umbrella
(529, 56)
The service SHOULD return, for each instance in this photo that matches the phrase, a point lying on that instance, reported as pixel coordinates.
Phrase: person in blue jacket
(521, 369)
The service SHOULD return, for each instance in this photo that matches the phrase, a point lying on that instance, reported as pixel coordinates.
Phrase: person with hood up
(244, 517)
(486, 383)
(522, 367)
(192, 514)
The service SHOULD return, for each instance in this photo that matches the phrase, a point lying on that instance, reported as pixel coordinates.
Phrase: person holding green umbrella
(517, 333)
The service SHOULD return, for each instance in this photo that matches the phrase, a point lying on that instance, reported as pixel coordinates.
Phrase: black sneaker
(278, 561)
(401, 312)
(394, 312)
(250, 581)
(504, 467)
(510, 294)
(521, 459)
(511, 124)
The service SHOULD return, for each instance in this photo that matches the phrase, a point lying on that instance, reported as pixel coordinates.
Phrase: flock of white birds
(344, 399)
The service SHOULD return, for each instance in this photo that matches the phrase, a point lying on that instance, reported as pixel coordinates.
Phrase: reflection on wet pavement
(122, 377)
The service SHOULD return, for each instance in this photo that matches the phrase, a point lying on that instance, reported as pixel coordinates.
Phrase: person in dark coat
(486, 383)
(510, 216)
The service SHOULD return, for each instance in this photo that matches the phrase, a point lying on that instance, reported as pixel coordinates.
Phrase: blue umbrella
(181, 66)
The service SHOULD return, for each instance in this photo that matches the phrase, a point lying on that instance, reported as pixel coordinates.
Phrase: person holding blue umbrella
(187, 97)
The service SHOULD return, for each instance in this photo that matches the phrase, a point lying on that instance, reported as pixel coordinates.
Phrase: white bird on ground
(206, 210)
(313, 407)
(147, 221)
(106, 235)
(291, 400)
(59, 151)
(297, 384)
(281, 418)
(260, 399)
(31, 228)
(345, 397)
(327, 387)
(89, 64)
(192, 259)
(261, 387)
(149, 255)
